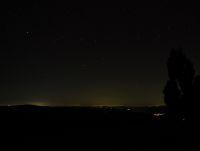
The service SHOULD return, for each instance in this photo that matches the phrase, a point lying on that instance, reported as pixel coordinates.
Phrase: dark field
(93, 128)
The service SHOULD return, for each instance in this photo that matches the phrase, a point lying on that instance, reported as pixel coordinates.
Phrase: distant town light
(158, 114)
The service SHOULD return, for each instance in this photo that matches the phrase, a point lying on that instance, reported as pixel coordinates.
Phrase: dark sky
(54, 54)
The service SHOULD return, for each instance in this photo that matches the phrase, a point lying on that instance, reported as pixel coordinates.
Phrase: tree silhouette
(172, 96)
(196, 96)
(182, 86)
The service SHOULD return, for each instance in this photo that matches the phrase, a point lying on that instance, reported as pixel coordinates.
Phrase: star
(28, 34)
(81, 38)
(168, 28)
(138, 36)
(102, 60)
(158, 36)
(84, 66)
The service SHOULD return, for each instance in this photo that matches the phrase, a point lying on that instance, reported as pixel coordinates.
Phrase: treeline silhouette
(182, 90)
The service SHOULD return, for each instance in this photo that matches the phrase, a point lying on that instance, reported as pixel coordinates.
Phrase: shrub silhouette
(182, 87)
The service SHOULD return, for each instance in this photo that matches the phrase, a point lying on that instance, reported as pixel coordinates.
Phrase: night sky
(54, 54)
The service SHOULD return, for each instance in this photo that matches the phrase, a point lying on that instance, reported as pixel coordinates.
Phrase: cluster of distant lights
(158, 114)
(114, 107)
(155, 115)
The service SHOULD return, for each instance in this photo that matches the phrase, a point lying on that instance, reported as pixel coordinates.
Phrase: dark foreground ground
(123, 128)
